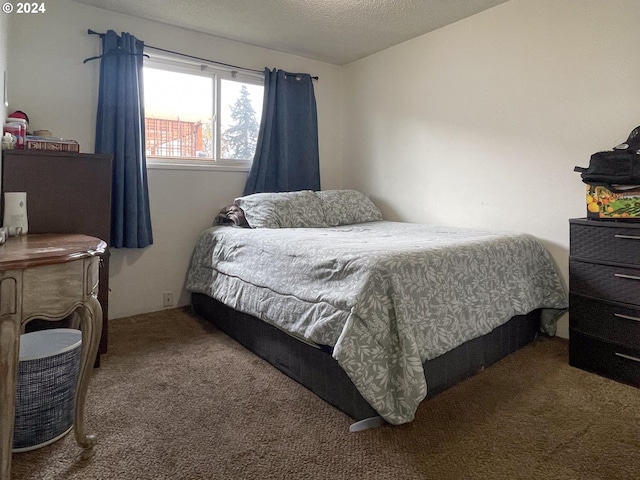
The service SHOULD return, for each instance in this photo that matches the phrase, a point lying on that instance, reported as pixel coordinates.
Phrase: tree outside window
(240, 124)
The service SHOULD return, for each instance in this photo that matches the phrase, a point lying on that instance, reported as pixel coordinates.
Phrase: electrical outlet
(167, 299)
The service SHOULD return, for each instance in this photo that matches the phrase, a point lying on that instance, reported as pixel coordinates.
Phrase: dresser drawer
(605, 358)
(595, 241)
(608, 282)
(605, 320)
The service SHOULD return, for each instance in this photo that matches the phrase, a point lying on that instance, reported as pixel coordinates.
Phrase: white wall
(59, 92)
(4, 47)
(481, 123)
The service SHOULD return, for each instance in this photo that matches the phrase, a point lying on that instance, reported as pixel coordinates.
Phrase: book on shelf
(33, 142)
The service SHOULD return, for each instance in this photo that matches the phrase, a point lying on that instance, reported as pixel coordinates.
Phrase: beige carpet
(176, 399)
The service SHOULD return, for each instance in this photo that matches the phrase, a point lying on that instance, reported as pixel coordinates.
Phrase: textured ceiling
(333, 31)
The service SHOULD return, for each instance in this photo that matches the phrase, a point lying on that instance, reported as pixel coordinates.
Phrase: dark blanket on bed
(231, 215)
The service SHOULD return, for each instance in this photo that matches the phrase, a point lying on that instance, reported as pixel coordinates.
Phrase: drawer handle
(628, 357)
(622, 275)
(629, 237)
(628, 317)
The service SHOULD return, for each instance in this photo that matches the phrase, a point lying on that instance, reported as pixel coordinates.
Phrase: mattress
(318, 371)
(384, 296)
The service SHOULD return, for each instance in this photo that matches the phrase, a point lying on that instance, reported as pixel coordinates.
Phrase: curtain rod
(91, 32)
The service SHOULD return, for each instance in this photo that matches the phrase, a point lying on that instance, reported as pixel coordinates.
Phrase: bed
(372, 315)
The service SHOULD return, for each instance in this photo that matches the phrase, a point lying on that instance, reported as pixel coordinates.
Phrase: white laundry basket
(47, 376)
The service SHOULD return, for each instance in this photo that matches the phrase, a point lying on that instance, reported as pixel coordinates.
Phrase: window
(200, 115)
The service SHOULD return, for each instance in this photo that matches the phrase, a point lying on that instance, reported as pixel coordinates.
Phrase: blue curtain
(120, 132)
(286, 156)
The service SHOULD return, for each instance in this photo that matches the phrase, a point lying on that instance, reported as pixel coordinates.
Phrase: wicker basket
(47, 375)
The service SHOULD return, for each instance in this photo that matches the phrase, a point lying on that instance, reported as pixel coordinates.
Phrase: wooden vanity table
(50, 277)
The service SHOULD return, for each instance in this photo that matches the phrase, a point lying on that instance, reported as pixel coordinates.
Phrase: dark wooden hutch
(66, 193)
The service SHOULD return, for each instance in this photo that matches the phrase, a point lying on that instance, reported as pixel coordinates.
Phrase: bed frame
(316, 369)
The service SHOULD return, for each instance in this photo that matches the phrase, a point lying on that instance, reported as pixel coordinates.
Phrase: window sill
(218, 167)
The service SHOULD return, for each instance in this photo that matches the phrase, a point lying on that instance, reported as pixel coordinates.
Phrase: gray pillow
(344, 207)
(282, 210)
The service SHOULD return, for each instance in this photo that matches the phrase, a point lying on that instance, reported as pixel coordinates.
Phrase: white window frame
(217, 73)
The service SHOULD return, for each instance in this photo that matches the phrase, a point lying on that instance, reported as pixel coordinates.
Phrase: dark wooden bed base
(318, 371)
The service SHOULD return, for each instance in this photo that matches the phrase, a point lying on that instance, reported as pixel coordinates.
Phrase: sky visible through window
(177, 96)
(184, 97)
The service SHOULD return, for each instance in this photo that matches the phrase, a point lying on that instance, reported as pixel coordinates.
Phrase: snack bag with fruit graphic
(615, 203)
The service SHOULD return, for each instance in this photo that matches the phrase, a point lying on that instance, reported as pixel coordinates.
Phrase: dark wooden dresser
(604, 299)
(66, 193)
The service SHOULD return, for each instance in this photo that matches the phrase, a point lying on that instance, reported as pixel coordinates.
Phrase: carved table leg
(41, 278)
(90, 321)
(9, 355)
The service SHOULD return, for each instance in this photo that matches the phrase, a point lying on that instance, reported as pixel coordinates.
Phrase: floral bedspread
(386, 295)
